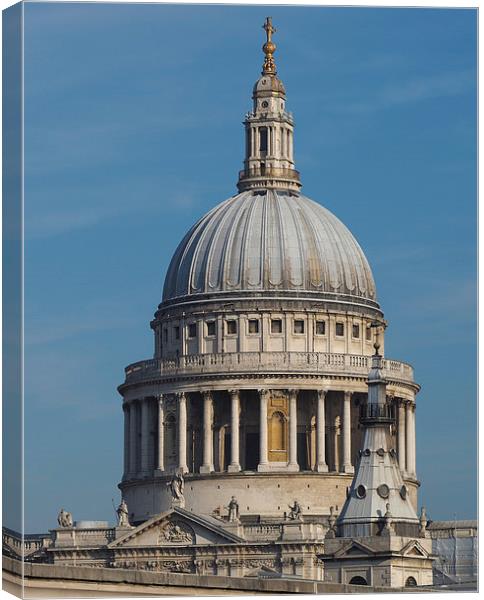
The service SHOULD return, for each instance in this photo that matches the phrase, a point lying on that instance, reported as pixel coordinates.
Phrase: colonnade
(145, 431)
(283, 152)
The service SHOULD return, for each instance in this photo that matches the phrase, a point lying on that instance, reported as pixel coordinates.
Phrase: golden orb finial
(269, 66)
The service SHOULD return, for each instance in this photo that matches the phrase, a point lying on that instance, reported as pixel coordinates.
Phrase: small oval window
(361, 491)
(383, 490)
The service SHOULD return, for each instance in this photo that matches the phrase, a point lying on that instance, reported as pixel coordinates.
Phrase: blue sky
(133, 130)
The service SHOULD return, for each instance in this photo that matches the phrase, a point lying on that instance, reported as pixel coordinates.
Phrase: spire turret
(269, 130)
(378, 501)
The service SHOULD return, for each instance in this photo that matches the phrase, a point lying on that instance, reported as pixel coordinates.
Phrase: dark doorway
(226, 458)
(251, 451)
(358, 580)
(302, 451)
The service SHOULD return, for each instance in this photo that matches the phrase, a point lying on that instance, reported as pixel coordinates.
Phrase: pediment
(354, 549)
(175, 527)
(414, 548)
(264, 572)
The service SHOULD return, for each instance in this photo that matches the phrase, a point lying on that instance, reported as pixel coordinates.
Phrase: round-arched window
(358, 580)
(411, 582)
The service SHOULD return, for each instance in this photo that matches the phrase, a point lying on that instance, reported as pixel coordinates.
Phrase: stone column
(207, 466)
(126, 440)
(336, 442)
(263, 445)
(182, 432)
(293, 466)
(145, 432)
(321, 465)
(133, 433)
(410, 439)
(401, 437)
(160, 466)
(347, 466)
(234, 465)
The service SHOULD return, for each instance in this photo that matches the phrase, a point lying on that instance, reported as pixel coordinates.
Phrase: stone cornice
(202, 379)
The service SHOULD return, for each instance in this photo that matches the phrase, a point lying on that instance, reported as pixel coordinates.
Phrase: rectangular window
(192, 330)
(356, 331)
(177, 333)
(298, 326)
(165, 335)
(276, 326)
(340, 328)
(253, 325)
(231, 327)
(211, 328)
(368, 334)
(320, 327)
(263, 139)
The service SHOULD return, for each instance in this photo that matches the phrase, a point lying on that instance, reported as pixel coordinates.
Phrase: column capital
(322, 392)
(292, 392)
(348, 393)
(234, 392)
(181, 396)
(207, 394)
(263, 393)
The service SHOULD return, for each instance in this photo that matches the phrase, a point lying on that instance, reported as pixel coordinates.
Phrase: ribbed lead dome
(269, 241)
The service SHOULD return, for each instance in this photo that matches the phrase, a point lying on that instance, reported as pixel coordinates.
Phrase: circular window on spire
(380, 452)
(403, 492)
(383, 490)
(265, 104)
(361, 491)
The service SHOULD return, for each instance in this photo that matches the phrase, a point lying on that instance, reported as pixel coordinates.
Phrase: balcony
(269, 173)
(235, 363)
(377, 413)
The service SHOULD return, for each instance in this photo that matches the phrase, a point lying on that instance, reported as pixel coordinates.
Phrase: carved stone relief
(176, 533)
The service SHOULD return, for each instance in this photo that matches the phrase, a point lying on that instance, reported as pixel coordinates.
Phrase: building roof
(463, 524)
(269, 240)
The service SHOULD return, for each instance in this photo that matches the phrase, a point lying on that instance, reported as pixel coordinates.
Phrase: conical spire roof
(378, 495)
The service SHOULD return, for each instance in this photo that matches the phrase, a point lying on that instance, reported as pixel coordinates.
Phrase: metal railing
(377, 413)
(246, 362)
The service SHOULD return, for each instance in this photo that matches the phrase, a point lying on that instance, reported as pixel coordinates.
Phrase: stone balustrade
(261, 532)
(318, 363)
(24, 546)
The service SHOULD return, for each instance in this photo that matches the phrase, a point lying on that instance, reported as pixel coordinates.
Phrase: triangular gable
(354, 548)
(414, 548)
(175, 527)
(264, 572)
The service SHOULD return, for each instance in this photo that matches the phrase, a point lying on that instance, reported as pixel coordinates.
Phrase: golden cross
(269, 28)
